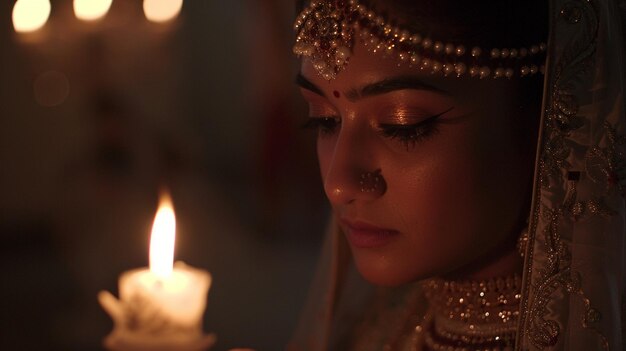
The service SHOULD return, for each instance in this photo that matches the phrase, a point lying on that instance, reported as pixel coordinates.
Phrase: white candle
(160, 308)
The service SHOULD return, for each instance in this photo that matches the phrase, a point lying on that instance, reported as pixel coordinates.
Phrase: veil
(573, 282)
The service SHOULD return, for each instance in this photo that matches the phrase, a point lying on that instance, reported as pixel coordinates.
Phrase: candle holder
(155, 314)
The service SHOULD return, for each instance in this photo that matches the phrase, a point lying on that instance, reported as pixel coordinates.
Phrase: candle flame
(91, 10)
(163, 238)
(30, 15)
(161, 10)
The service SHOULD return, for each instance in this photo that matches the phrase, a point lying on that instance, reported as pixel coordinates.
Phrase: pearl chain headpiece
(327, 29)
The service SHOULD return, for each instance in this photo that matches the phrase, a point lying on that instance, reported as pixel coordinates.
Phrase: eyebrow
(405, 82)
(304, 83)
(393, 84)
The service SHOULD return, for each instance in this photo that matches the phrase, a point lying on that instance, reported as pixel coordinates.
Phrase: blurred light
(163, 238)
(162, 10)
(51, 88)
(91, 10)
(30, 15)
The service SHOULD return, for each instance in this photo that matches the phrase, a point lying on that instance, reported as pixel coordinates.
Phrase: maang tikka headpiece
(327, 29)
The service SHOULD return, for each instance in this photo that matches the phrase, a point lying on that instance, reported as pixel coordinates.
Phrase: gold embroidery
(544, 332)
(558, 274)
(561, 119)
(607, 165)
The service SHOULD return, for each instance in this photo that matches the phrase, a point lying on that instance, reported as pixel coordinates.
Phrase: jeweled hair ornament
(327, 29)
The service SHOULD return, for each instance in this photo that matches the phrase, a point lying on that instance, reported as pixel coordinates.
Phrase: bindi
(336, 94)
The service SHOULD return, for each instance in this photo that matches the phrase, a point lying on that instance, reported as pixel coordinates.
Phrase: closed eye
(325, 125)
(411, 134)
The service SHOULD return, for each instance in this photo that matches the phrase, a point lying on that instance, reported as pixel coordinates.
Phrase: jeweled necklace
(471, 315)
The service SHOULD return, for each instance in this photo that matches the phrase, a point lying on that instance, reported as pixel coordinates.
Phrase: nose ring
(371, 181)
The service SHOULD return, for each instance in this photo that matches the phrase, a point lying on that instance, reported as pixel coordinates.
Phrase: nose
(352, 173)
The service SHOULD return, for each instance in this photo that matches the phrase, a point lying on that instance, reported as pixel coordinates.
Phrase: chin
(379, 271)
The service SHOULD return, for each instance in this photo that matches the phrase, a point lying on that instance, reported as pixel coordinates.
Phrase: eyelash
(324, 125)
(408, 135)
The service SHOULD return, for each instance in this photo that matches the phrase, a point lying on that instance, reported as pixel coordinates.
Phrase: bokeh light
(162, 10)
(30, 15)
(91, 10)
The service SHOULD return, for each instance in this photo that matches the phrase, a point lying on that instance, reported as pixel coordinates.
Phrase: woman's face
(456, 178)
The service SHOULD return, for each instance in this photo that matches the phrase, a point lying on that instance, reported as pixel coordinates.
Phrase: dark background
(96, 117)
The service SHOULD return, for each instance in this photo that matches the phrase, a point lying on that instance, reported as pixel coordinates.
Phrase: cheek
(454, 198)
(439, 204)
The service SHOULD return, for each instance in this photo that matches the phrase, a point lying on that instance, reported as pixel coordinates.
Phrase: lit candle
(159, 308)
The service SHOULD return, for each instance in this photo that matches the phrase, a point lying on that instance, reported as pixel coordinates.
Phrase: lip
(365, 235)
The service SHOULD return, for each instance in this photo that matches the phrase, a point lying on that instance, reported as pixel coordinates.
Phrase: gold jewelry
(471, 315)
(327, 29)
(371, 181)
(475, 302)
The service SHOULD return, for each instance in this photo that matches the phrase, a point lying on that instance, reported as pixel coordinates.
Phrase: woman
(472, 208)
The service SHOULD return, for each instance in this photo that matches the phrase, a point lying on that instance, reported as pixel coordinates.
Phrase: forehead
(366, 67)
